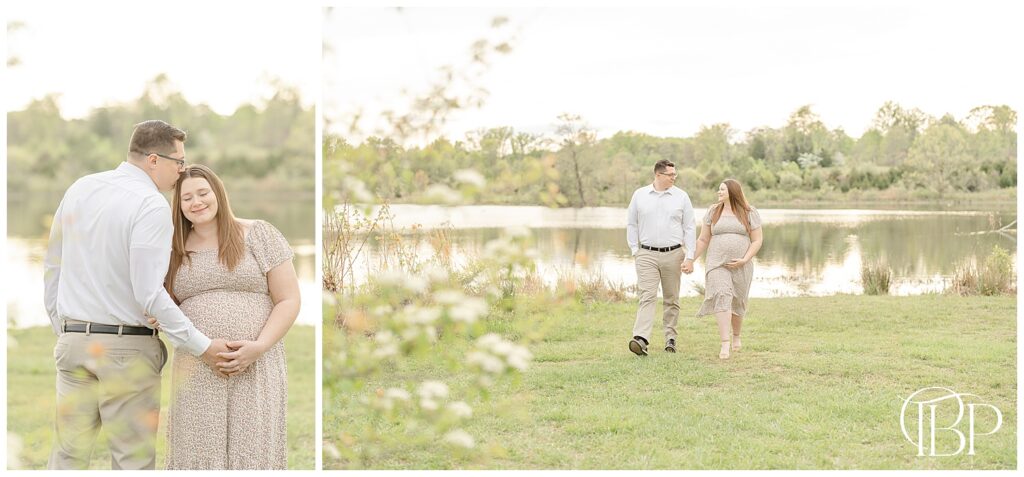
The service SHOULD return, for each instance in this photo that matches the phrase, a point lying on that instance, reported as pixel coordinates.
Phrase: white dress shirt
(661, 219)
(110, 245)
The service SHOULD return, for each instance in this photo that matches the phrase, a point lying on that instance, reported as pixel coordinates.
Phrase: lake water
(805, 252)
(28, 229)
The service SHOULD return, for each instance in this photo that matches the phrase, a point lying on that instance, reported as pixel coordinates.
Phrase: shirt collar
(650, 188)
(136, 173)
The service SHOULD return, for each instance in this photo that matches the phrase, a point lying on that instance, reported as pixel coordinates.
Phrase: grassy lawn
(30, 398)
(819, 384)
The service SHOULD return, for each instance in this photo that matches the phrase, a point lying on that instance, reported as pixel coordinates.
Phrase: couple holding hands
(660, 223)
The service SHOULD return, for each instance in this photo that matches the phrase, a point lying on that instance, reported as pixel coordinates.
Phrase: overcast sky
(667, 71)
(221, 53)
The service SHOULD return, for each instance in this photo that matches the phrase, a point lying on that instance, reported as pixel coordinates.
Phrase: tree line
(906, 153)
(266, 145)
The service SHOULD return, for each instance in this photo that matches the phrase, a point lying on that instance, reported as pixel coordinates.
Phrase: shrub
(996, 275)
(789, 180)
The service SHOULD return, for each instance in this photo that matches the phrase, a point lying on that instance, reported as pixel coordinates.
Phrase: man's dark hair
(154, 136)
(663, 164)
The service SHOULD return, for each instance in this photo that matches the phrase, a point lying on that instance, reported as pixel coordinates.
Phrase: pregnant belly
(729, 246)
(228, 315)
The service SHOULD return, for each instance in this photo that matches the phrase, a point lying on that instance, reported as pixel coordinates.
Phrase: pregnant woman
(732, 237)
(235, 280)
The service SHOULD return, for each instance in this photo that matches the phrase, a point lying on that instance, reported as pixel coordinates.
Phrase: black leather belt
(119, 330)
(662, 249)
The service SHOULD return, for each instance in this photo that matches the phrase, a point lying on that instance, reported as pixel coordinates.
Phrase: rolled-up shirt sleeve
(51, 269)
(149, 256)
(689, 228)
(632, 226)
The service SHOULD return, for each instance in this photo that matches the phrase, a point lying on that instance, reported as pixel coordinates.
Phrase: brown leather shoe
(638, 346)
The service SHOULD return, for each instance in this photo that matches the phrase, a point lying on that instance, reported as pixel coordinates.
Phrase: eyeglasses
(672, 175)
(181, 162)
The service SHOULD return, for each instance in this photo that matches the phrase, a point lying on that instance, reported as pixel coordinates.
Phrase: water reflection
(805, 253)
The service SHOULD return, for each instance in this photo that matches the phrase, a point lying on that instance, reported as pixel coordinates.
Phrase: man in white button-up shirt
(110, 244)
(661, 233)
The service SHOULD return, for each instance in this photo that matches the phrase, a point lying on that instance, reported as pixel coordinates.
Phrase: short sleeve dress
(237, 422)
(724, 289)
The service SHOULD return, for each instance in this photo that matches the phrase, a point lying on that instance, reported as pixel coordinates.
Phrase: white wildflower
(387, 345)
(433, 389)
(416, 284)
(382, 310)
(470, 176)
(488, 341)
(485, 361)
(460, 438)
(435, 273)
(519, 358)
(386, 351)
(502, 348)
(448, 297)
(397, 278)
(422, 316)
(428, 404)
(518, 363)
(468, 310)
(460, 409)
(384, 337)
(503, 250)
(397, 394)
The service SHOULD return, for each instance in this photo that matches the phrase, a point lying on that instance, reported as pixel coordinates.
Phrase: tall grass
(994, 277)
(876, 277)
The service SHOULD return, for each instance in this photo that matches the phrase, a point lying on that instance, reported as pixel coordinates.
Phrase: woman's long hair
(737, 201)
(230, 240)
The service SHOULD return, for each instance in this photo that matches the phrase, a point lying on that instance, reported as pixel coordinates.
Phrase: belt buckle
(120, 329)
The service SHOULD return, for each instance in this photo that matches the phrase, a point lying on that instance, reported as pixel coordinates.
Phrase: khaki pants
(654, 268)
(107, 381)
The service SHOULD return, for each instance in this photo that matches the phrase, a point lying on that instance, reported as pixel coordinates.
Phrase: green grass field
(818, 385)
(31, 395)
